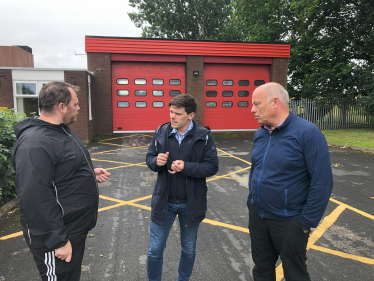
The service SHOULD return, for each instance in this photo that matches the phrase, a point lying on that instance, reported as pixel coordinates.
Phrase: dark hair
(186, 101)
(53, 93)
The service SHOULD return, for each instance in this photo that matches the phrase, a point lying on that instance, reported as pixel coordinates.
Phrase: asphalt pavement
(340, 248)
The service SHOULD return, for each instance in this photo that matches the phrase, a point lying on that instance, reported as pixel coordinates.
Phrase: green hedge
(8, 118)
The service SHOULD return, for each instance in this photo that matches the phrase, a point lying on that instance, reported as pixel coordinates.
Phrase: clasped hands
(176, 166)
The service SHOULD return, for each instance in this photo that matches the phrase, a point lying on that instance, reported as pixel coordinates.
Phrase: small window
(141, 104)
(174, 82)
(211, 93)
(26, 89)
(158, 82)
(227, 93)
(122, 81)
(210, 104)
(243, 93)
(122, 93)
(227, 104)
(243, 82)
(158, 104)
(242, 104)
(140, 93)
(227, 82)
(123, 104)
(158, 93)
(174, 93)
(211, 82)
(259, 82)
(140, 81)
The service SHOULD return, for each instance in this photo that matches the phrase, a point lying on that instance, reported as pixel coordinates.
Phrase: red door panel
(235, 84)
(144, 106)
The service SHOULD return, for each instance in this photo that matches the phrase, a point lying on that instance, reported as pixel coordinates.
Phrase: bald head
(270, 104)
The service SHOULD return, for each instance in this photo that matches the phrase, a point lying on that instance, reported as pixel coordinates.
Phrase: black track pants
(54, 269)
(273, 238)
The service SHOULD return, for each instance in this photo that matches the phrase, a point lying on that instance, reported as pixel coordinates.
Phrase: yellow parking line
(142, 147)
(234, 156)
(343, 255)
(226, 225)
(125, 166)
(125, 163)
(122, 137)
(111, 207)
(132, 147)
(231, 178)
(11, 235)
(353, 209)
(218, 177)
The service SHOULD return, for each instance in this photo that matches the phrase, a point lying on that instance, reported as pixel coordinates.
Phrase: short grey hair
(275, 90)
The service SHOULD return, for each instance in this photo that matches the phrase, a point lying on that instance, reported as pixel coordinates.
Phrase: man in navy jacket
(290, 183)
(183, 153)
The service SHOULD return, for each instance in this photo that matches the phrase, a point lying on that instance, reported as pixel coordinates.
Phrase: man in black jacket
(56, 184)
(184, 154)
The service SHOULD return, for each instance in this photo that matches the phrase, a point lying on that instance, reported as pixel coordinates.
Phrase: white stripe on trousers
(49, 261)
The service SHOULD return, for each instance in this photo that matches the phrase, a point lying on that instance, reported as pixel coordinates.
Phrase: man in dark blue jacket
(290, 183)
(183, 153)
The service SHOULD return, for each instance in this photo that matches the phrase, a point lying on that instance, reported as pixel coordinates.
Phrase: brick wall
(101, 90)
(278, 71)
(82, 127)
(195, 84)
(6, 88)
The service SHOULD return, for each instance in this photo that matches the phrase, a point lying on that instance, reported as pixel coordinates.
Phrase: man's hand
(162, 159)
(101, 175)
(64, 253)
(306, 231)
(177, 166)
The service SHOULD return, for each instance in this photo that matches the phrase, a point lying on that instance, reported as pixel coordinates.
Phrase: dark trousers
(273, 238)
(53, 269)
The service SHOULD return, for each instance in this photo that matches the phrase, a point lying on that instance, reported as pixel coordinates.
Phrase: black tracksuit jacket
(56, 184)
(202, 163)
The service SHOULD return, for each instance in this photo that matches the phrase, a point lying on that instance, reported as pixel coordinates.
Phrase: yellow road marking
(139, 164)
(234, 156)
(343, 255)
(226, 225)
(218, 177)
(142, 147)
(122, 137)
(231, 178)
(11, 235)
(353, 209)
(131, 147)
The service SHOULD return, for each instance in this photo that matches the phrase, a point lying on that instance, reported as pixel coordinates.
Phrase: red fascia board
(202, 48)
(241, 60)
(153, 58)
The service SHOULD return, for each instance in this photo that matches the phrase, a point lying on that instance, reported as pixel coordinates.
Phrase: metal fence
(332, 115)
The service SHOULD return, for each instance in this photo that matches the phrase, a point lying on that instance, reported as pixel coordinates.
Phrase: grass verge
(361, 138)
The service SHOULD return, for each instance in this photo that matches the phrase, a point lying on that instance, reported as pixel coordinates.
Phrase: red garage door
(227, 95)
(141, 92)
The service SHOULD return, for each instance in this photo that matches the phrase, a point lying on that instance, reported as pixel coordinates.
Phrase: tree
(8, 118)
(184, 19)
(331, 42)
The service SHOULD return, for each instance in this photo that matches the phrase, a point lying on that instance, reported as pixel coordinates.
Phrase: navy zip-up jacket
(202, 163)
(291, 175)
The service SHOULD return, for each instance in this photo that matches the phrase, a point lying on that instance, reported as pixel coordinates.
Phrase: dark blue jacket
(203, 162)
(291, 174)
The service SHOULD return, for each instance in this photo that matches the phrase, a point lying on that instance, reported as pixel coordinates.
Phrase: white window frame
(39, 85)
(89, 98)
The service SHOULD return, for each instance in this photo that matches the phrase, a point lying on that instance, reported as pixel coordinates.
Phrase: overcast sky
(56, 29)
